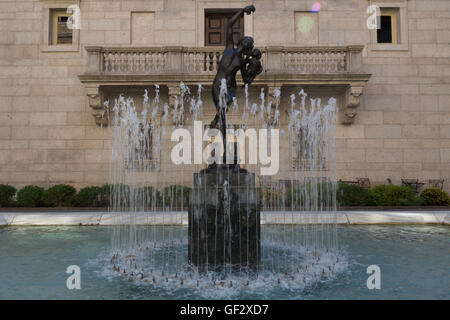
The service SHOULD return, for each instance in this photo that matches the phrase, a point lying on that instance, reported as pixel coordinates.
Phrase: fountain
(224, 217)
(225, 247)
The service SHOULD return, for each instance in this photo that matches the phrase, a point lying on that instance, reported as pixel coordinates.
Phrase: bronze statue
(244, 58)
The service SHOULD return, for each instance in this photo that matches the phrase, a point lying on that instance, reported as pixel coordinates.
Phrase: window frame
(53, 35)
(401, 8)
(46, 39)
(394, 24)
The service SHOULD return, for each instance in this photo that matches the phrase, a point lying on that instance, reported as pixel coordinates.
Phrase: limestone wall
(48, 135)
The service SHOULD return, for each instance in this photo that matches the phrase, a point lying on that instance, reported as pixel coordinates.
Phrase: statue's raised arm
(248, 10)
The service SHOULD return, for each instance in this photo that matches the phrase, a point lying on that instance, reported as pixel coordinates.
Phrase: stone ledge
(181, 218)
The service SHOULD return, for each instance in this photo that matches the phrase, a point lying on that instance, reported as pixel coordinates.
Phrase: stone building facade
(394, 97)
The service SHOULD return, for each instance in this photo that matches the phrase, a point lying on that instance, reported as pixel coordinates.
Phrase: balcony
(338, 67)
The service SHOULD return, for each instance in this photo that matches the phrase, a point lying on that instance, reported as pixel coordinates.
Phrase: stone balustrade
(337, 67)
(205, 60)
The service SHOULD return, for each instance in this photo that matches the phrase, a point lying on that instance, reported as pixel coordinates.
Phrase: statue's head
(256, 54)
(246, 45)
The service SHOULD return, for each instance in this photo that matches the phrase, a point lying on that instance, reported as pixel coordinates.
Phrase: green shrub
(269, 198)
(435, 197)
(59, 195)
(30, 196)
(353, 196)
(116, 195)
(88, 197)
(150, 196)
(175, 196)
(7, 193)
(389, 195)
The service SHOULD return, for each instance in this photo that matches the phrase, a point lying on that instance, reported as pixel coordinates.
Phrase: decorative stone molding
(351, 103)
(95, 99)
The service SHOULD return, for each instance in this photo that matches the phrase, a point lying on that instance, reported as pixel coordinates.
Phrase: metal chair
(364, 182)
(436, 183)
(413, 183)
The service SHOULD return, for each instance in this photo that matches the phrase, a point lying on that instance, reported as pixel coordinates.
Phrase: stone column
(175, 59)
(274, 59)
(94, 60)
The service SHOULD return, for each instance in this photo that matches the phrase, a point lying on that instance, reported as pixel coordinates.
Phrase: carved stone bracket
(352, 100)
(95, 98)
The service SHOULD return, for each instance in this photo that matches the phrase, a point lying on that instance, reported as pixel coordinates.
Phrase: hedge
(121, 196)
(88, 197)
(60, 195)
(30, 196)
(435, 197)
(7, 193)
(353, 196)
(389, 195)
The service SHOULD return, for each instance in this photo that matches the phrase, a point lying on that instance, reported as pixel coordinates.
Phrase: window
(388, 31)
(216, 22)
(393, 32)
(56, 35)
(60, 34)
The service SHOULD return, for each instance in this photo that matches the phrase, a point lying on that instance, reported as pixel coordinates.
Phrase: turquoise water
(414, 262)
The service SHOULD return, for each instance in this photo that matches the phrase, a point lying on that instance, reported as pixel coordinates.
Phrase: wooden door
(216, 28)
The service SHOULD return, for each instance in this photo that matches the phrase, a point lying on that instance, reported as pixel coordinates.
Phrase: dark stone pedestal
(224, 218)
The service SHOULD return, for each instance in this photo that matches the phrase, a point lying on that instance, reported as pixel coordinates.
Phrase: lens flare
(316, 7)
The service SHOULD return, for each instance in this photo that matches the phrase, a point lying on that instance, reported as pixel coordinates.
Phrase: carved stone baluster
(332, 61)
(123, 62)
(117, 62)
(141, 60)
(159, 61)
(314, 61)
(146, 67)
(309, 62)
(216, 60)
(130, 59)
(343, 59)
(196, 65)
(132, 62)
(105, 65)
(152, 62)
(291, 61)
(323, 63)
